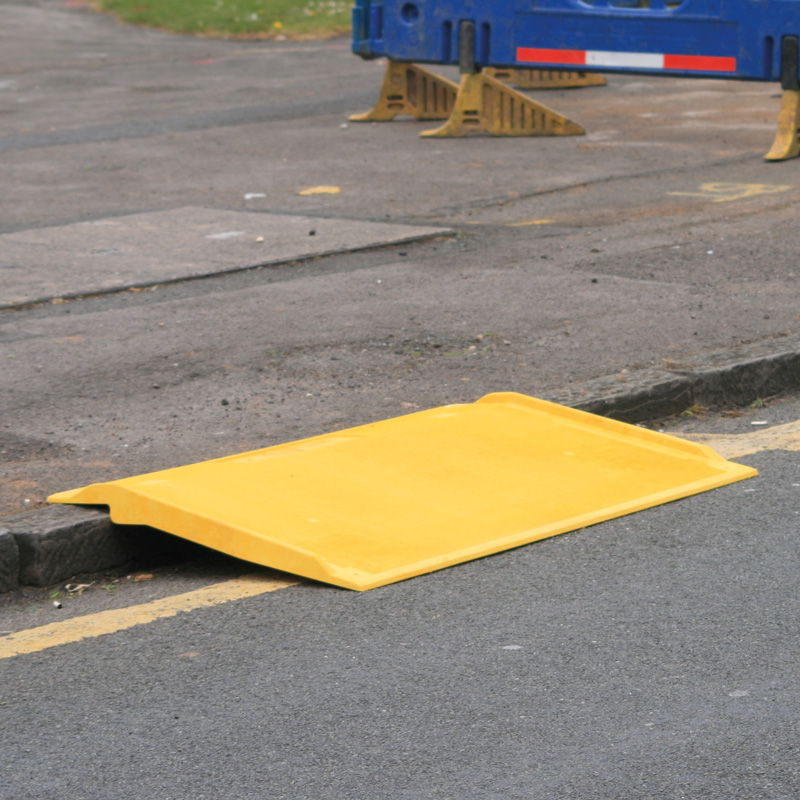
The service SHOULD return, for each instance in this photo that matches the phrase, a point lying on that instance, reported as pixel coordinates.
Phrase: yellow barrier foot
(546, 78)
(787, 137)
(412, 90)
(486, 104)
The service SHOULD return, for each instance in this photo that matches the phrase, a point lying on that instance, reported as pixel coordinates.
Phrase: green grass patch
(250, 19)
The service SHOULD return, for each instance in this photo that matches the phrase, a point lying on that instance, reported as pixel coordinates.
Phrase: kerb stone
(60, 541)
(9, 561)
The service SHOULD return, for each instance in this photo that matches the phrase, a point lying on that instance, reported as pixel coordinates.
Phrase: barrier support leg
(486, 104)
(546, 78)
(412, 90)
(787, 137)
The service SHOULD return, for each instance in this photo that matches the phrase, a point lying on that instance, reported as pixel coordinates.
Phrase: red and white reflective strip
(608, 58)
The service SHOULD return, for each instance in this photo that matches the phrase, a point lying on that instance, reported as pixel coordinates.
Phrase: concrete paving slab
(153, 248)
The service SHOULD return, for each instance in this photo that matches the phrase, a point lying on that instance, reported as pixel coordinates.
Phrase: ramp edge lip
(319, 569)
(590, 421)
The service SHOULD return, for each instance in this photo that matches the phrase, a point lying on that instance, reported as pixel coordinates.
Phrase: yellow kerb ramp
(376, 504)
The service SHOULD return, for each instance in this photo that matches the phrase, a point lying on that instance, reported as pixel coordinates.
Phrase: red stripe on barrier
(700, 63)
(544, 55)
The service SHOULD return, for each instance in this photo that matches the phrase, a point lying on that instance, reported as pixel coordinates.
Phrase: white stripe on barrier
(614, 59)
(608, 58)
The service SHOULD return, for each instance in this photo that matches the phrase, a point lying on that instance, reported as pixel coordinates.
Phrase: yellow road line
(779, 437)
(91, 625)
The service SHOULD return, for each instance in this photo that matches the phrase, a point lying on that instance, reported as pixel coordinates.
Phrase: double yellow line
(91, 625)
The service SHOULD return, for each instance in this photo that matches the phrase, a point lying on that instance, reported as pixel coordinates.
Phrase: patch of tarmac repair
(140, 250)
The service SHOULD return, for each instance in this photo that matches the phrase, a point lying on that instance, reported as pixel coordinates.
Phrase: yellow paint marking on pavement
(119, 619)
(724, 192)
(320, 190)
(780, 437)
(530, 222)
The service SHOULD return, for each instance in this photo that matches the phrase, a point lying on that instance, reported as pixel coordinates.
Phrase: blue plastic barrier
(741, 39)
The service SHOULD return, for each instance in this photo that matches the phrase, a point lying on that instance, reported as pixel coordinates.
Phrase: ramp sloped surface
(371, 505)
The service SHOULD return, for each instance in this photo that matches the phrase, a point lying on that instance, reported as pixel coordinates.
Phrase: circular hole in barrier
(409, 12)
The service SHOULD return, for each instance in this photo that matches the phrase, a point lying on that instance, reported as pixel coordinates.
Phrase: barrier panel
(733, 39)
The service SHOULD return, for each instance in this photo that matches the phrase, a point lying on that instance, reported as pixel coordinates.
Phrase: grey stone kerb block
(9, 561)
(56, 542)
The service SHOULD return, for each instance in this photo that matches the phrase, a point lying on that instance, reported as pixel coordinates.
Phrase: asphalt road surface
(648, 657)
